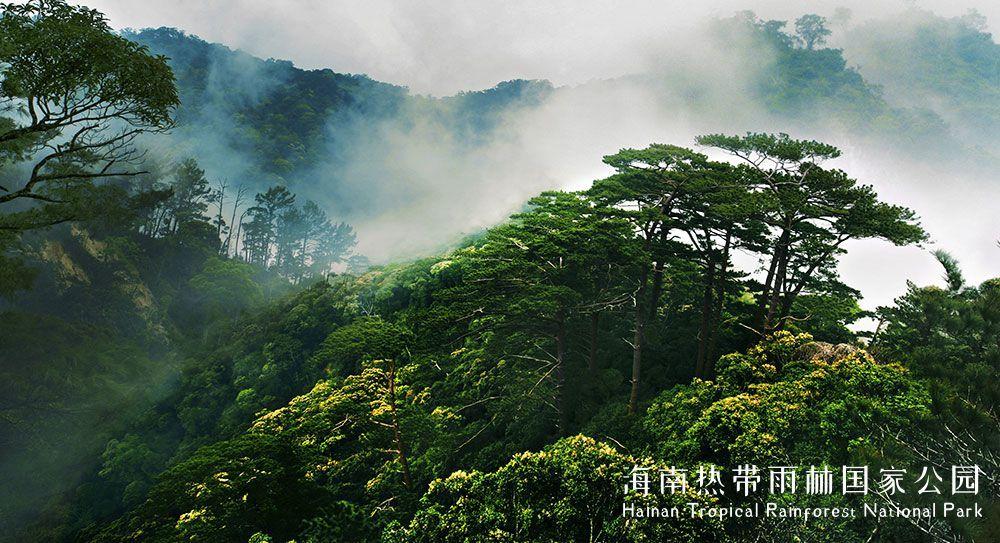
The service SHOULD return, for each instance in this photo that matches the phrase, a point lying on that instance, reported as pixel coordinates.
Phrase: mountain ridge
(288, 118)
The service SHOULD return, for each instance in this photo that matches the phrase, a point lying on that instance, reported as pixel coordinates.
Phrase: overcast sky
(444, 46)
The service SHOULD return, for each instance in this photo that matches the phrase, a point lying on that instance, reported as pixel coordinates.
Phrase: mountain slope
(286, 119)
(949, 66)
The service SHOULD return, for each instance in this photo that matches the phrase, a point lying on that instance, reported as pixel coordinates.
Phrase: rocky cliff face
(828, 352)
(81, 277)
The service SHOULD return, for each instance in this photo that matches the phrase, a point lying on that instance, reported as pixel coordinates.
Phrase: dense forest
(194, 349)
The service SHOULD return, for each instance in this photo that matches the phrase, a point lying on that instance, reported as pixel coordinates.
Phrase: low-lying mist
(414, 173)
(411, 185)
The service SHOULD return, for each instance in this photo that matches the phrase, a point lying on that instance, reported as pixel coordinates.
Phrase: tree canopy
(195, 352)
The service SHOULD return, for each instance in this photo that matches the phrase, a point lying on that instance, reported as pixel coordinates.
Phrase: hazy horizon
(470, 46)
(463, 46)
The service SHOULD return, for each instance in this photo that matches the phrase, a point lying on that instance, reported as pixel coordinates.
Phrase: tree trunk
(657, 288)
(706, 311)
(720, 304)
(229, 235)
(786, 308)
(159, 222)
(640, 308)
(773, 284)
(791, 294)
(396, 430)
(592, 356)
(654, 291)
(765, 293)
(774, 305)
(873, 346)
(637, 339)
(561, 403)
(239, 231)
(218, 216)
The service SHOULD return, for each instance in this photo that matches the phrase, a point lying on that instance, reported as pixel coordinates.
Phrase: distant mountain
(915, 89)
(948, 65)
(913, 80)
(286, 119)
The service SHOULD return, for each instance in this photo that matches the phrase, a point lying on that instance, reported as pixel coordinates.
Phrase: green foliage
(397, 405)
(188, 193)
(524, 287)
(781, 147)
(15, 273)
(350, 428)
(338, 412)
(224, 288)
(570, 491)
(284, 121)
(786, 399)
(810, 212)
(74, 96)
(36, 39)
(822, 87)
(950, 336)
(65, 384)
(343, 351)
(332, 411)
(946, 65)
(228, 492)
(308, 244)
(811, 30)
(132, 463)
(805, 83)
(792, 401)
(79, 95)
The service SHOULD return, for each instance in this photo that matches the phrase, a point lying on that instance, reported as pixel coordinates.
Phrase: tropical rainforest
(202, 357)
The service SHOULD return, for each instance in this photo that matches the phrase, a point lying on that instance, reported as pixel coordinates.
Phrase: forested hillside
(399, 404)
(284, 120)
(194, 348)
(949, 66)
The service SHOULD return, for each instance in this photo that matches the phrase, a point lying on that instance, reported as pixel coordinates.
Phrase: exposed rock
(66, 269)
(820, 350)
(93, 247)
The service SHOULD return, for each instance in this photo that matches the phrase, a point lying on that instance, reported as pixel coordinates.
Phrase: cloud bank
(447, 46)
(630, 74)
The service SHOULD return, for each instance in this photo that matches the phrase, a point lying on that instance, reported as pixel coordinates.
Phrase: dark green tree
(811, 212)
(528, 279)
(223, 289)
(190, 197)
(645, 191)
(308, 244)
(791, 398)
(949, 335)
(717, 215)
(811, 30)
(74, 96)
(571, 491)
(260, 232)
